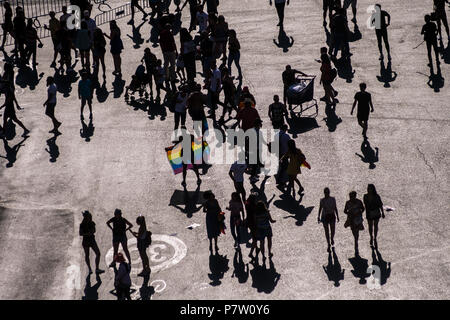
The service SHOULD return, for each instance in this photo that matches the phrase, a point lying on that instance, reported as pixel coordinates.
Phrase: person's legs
(332, 229)
(183, 119)
(356, 236)
(436, 53)
(370, 223)
(233, 228)
(237, 58)
(177, 120)
(429, 44)
(262, 248)
(299, 184)
(125, 249)
(97, 256)
(215, 246)
(89, 101)
(386, 42)
(291, 184)
(83, 103)
(14, 118)
(375, 231)
(86, 258)
(269, 245)
(379, 38)
(327, 234)
(280, 12)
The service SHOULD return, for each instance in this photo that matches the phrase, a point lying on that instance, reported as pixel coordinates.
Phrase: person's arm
(336, 211)
(353, 107)
(270, 112)
(108, 223)
(230, 173)
(270, 218)
(298, 71)
(320, 210)
(389, 19)
(371, 104)
(381, 207)
(106, 35)
(129, 224)
(17, 104)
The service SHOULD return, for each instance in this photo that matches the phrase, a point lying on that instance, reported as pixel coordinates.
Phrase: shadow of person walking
(264, 280)
(241, 270)
(386, 74)
(385, 267)
(11, 152)
(218, 265)
(331, 120)
(370, 155)
(360, 266)
(284, 42)
(53, 149)
(293, 207)
(333, 269)
(87, 131)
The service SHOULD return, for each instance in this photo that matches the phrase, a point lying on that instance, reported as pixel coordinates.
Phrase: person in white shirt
(279, 5)
(50, 103)
(236, 173)
(328, 213)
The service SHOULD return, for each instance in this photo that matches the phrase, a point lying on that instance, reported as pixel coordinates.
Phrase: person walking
(85, 93)
(169, 50)
(122, 280)
(99, 50)
(280, 5)
(118, 225)
(7, 25)
(10, 112)
(236, 208)
(116, 47)
(83, 44)
(328, 213)
(234, 53)
(382, 34)
(193, 5)
(296, 158)
(430, 32)
(354, 209)
(327, 77)
(213, 210)
(229, 91)
(339, 33)
(364, 101)
(135, 5)
(374, 211)
(250, 221)
(53, 26)
(441, 17)
(211, 6)
(144, 240)
(50, 103)
(19, 34)
(277, 113)
(188, 51)
(288, 76)
(87, 231)
(214, 88)
(236, 174)
(283, 139)
(31, 39)
(263, 227)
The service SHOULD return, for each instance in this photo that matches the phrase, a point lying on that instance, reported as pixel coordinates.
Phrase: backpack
(148, 238)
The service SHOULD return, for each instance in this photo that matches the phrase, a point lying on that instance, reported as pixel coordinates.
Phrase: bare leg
(125, 249)
(86, 258)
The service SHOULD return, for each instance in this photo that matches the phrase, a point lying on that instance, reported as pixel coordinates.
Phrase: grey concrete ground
(124, 166)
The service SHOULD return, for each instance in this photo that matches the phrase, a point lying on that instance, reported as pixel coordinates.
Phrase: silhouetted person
(284, 41)
(193, 8)
(250, 209)
(236, 207)
(382, 34)
(11, 152)
(53, 26)
(7, 25)
(296, 158)
(279, 5)
(116, 47)
(135, 5)
(354, 209)
(53, 149)
(50, 103)
(277, 113)
(263, 228)
(236, 174)
(10, 111)
(212, 209)
(288, 76)
(87, 231)
(339, 32)
(328, 213)
(119, 229)
(85, 94)
(144, 239)
(169, 50)
(430, 32)
(234, 53)
(441, 17)
(369, 155)
(365, 106)
(374, 211)
(327, 7)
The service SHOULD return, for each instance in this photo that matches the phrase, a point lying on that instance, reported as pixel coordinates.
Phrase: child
(180, 69)
(236, 207)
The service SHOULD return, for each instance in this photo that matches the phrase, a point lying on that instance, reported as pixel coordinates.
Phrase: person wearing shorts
(85, 93)
(119, 229)
(50, 103)
(328, 214)
(236, 173)
(87, 231)
(365, 106)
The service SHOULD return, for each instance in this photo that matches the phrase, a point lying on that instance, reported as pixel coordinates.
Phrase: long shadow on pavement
(333, 269)
(385, 267)
(297, 211)
(369, 155)
(192, 201)
(91, 291)
(264, 280)
(241, 271)
(218, 266)
(360, 266)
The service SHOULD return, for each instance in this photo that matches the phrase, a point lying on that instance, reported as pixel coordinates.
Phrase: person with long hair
(328, 213)
(143, 237)
(87, 231)
(296, 158)
(374, 211)
(119, 229)
(263, 227)
(354, 209)
(213, 210)
(116, 46)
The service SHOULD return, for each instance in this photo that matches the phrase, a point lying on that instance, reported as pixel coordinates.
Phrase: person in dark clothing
(339, 33)
(441, 16)
(280, 5)
(250, 209)
(277, 113)
(7, 25)
(382, 33)
(169, 50)
(119, 229)
(188, 50)
(288, 76)
(135, 5)
(193, 5)
(150, 60)
(211, 6)
(19, 32)
(50, 103)
(354, 209)
(429, 31)
(87, 231)
(374, 211)
(364, 101)
(10, 112)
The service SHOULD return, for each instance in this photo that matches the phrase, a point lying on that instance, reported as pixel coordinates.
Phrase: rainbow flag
(176, 161)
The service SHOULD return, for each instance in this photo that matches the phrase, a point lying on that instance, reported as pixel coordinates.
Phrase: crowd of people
(210, 40)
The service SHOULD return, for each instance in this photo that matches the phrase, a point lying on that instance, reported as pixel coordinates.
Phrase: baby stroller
(139, 82)
(301, 94)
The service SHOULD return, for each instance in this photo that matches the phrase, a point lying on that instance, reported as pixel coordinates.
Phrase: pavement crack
(426, 162)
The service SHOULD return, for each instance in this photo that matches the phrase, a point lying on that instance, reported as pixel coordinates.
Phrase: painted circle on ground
(165, 252)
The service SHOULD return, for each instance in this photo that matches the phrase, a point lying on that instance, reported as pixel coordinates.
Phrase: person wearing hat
(119, 229)
(87, 231)
(122, 280)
